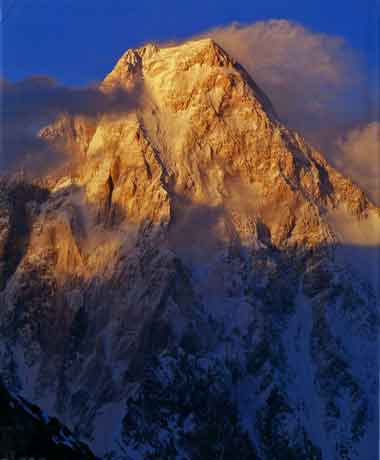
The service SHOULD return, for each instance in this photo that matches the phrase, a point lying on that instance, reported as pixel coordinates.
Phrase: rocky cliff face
(183, 290)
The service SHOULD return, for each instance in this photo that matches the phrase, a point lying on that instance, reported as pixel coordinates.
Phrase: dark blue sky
(78, 41)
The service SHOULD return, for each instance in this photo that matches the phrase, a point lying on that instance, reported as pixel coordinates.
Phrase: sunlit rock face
(185, 289)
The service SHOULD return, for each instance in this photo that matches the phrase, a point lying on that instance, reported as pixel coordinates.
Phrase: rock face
(183, 290)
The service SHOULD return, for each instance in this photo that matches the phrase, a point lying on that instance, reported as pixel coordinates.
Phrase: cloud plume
(307, 75)
(29, 104)
(358, 156)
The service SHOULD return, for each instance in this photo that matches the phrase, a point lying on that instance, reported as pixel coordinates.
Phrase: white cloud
(305, 74)
(358, 155)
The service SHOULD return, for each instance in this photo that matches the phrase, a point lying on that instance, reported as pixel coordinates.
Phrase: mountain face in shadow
(26, 432)
(192, 287)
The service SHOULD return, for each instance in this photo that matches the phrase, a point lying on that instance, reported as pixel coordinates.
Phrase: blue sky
(77, 41)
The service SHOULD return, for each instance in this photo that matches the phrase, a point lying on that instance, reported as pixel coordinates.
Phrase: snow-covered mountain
(195, 284)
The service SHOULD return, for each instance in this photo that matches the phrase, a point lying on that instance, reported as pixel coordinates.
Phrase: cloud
(40, 95)
(357, 155)
(306, 75)
(21, 148)
(29, 104)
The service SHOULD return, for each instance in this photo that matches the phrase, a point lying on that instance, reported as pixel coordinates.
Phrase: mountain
(195, 283)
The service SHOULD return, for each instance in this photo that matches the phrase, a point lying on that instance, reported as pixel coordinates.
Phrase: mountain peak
(202, 123)
(202, 52)
(193, 246)
(185, 49)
